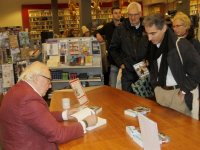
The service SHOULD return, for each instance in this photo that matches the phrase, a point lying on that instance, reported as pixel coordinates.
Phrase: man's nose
(149, 37)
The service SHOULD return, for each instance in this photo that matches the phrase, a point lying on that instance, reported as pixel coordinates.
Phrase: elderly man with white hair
(25, 120)
(128, 45)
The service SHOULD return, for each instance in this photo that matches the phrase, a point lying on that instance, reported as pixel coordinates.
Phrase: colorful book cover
(74, 48)
(23, 38)
(25, 53)
(141, 69)
(13, 41)
(8, 75)
(85, 47)
(63, 48)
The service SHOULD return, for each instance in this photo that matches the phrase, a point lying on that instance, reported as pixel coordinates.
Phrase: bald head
(35, 68)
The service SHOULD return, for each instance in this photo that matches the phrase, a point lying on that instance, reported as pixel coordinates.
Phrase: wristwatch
(86, 124)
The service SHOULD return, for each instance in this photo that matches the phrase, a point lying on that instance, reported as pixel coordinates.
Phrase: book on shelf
(88, 60)
(141, 69)
(135, 134)
(134, 112)
(87, 112)
(96, 109)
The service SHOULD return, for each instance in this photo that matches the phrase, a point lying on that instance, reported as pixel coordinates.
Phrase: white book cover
(83, 114)
(100, 122)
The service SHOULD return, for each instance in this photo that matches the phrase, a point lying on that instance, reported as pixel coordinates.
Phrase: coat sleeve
(191, 64)
(101, 31)
(35, 114)
(196, 45)
(57, 115)
(115, 47)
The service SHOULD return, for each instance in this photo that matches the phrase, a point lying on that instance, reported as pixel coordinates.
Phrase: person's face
(155, 35)
(134, 16)
(116, 14)
(44, 82)
(87, 34)
(179, 28)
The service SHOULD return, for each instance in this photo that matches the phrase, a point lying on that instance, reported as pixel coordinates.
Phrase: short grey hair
(154, 18)
(35, 68)
(134, 4)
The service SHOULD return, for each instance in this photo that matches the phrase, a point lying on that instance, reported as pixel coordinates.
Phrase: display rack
(194, 7)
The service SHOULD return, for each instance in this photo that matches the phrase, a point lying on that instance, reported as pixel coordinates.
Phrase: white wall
(11, 10)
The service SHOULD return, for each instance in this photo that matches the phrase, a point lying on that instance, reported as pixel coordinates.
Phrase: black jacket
(195, 42)
(191, 66)
(128, 45)
(107, 30)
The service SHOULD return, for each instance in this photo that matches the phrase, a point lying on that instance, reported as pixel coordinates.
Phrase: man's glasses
(177, 26)
(46, 78)
(135, 15)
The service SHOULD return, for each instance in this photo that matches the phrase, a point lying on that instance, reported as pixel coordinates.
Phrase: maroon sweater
(27, 124)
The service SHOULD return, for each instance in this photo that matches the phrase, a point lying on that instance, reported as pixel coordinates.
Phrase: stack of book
(135, 134)
(134, 112)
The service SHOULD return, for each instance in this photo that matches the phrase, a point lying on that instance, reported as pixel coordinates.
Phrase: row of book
(60, 75)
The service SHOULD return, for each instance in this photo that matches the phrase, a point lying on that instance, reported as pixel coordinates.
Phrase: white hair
(134, 4)
(34, 69)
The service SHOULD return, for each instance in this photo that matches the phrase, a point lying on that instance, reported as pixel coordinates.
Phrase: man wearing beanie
(86, 32)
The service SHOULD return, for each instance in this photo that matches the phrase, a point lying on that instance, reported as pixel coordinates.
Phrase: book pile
(135, 134)
(96, 109)
(134, 112)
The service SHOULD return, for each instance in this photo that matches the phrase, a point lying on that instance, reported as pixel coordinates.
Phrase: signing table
(183, 131)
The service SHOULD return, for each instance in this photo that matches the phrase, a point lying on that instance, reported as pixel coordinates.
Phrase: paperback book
(96, 109)
(85, 47)
(134, 112)
(74, 48)
(141, 70)
(95, 47)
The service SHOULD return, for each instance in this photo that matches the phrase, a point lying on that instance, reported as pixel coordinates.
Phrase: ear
(164, 28)
(35, 78)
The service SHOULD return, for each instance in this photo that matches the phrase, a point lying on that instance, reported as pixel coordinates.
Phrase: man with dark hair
(128, 45)
(175, 66)
(108, 30)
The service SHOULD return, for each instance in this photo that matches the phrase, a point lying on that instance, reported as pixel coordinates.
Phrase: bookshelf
(194, 7)
(41, 20)
(157, 8)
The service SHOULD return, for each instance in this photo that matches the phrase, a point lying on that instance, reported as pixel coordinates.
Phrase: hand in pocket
(181, 95)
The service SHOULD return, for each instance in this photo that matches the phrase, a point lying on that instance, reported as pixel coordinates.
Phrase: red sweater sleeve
(36, 114)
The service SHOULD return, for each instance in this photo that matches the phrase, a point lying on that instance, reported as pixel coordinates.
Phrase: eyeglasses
(177, 26)
(135, 15)
(46, 78)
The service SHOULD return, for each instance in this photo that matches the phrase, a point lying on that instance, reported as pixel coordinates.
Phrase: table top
(183, 131)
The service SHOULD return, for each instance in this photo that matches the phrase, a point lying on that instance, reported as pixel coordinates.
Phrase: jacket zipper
(134, 48)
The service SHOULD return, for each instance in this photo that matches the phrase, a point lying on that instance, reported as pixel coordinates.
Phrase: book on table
(87, 112)
(96, 109)
(134, 112)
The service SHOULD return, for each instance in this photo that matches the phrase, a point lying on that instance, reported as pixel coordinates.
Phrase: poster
(85, 46)
(52, 47)
(95, 47)
(74, 48)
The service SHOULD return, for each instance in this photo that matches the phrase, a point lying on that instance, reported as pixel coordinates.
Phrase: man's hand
(70, 112)
(99, 37)
(91, 120)
(122, 66)
(181, 95)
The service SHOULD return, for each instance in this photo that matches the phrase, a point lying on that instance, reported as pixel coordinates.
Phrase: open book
(87, 112)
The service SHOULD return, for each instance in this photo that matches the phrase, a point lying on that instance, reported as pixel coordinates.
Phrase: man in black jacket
(108, 30)
(175, 67)
(128, 45)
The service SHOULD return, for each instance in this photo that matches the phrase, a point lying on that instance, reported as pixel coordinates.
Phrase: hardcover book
(141, 69)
